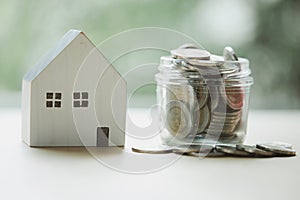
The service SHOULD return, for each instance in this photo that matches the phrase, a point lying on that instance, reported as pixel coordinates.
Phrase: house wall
(104, 84)
(26, 106)
(111, 102)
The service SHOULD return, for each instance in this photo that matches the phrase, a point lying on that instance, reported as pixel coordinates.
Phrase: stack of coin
(225, 123)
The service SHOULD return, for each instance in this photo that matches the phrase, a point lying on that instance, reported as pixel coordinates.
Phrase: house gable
(51, 55)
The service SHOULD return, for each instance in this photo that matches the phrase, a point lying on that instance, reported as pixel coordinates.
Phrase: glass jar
(203, 101)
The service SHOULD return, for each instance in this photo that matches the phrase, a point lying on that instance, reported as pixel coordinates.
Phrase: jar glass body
(196, 108)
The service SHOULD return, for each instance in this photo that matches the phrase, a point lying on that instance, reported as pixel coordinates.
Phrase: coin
(255, 151)
(227, 114)
(208, 70)
(279, 150)
(223, 131)
(204, 117)
(193, 149)
(231, 150)
(281, 144)
(216, 154)
(202, 95)
(188, 46)
(212, 154)
(224, 120)
(228, 137)
(227, 71)
(198, 54)
(235, 98)
(152, 150)
(217, 58)
(178, 119)
(229, 54)
(214, 98)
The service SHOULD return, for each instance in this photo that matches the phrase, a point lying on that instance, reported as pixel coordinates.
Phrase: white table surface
(73, 173)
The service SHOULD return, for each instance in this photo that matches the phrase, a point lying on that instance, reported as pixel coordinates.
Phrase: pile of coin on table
(220, 102)
(261, 150)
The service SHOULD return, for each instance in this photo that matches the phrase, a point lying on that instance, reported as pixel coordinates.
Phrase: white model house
(74, 97)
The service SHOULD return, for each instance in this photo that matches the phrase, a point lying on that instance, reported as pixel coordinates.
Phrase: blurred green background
(267, 32)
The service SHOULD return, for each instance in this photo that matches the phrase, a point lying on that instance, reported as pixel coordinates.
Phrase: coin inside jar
(178, 119)
(235, 98)
(188, 46)
(202, 95)
(229, 54)
(203, 119)
(189, 53)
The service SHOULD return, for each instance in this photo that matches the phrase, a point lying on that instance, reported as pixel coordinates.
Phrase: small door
(102, 136)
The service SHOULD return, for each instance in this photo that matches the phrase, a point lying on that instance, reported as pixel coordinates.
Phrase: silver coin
(225, 145)
(184, 151)
(217, 58)
(202, 95)
(228, 114)
(167, 60)
(225, 121)
(152, 150)
(255, 151)
(193, 149)
(212, 154)
(231, 150)
(198, 54)
(228, 71)
(279, 150)
(228, 137)
(216, 154)
(247, 148)
(220, 130)
(178, 119)
(228, 120)
(229, 54)
(213, 97)
(204, 117)
(224, 125)
(221, 133)
(205, 67)
(224, 132)
(188, 46)
(280, 144)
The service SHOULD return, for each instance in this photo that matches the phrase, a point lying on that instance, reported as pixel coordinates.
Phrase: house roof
(50, 56)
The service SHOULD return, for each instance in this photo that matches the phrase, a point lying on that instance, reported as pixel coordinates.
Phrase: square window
(57, 104)
(49, 95)
(84, 104)
(76, 104)
(49, 104)
(76, 95)
(84, 95)
(58, 95)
